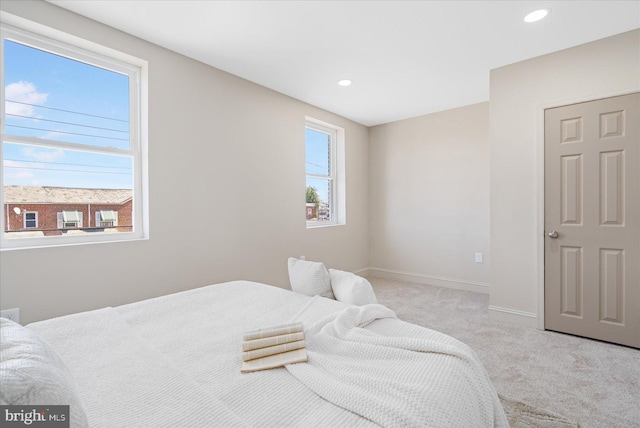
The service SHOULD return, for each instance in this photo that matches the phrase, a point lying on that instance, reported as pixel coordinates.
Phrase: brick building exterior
(312, 211)
(50, 211)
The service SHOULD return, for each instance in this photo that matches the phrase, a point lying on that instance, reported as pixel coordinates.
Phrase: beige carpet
(522, 415)
(591, 383)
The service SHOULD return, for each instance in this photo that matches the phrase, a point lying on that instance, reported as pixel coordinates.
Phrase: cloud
(23, 92)
(43, 155)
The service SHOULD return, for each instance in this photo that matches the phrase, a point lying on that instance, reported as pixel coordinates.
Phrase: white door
(592, 219)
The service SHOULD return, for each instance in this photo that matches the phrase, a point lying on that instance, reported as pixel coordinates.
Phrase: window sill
(314, 225)
(68, 244)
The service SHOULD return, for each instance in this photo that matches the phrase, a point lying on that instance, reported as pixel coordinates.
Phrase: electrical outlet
(478, 257)
(302, 258)
(12, 314)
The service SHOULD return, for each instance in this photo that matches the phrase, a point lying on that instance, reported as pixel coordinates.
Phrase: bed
(175, 361)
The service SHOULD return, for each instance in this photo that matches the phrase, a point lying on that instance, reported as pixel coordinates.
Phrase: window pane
(55, 98)
(51, 181)
(30, 220)
(318, 199)
(29, 165)
(318, 152)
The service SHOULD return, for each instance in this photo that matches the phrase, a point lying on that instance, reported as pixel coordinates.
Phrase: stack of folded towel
(267, 348)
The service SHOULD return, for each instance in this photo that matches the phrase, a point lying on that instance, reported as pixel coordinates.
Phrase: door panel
(612, 188)
(571, 281)
(592, 201)
(612, 285)
(571, 189)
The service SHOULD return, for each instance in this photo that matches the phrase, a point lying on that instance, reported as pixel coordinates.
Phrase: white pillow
(310, 278)
(32, 373)
(351, 288)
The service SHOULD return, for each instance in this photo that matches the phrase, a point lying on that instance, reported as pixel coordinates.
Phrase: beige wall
(429, 198)
(219, 147)
(519, 92)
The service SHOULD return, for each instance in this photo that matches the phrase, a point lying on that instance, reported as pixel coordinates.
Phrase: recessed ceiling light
(345, 82)
(536, 15)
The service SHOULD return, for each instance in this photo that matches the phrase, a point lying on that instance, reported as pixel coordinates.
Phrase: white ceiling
(406, 58)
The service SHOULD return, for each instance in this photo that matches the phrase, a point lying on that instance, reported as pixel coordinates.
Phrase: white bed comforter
(407, 377)
(126, 382)
(172, 361)
(175, 361)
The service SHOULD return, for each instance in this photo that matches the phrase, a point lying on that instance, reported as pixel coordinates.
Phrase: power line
(68, 170)
(315, 164)
(69, 164)
(66, 132)
(66, 111)
(66, 123)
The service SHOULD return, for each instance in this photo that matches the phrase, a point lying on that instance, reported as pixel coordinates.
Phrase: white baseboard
(512, 316)
(363, 272)
(458, 284)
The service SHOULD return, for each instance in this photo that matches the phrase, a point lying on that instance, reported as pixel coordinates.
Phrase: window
(72, 134)
(30, 220)
(69, 219)
(325, 185)
(106, 218)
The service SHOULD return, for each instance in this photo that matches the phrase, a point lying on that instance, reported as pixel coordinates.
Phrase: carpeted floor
(593, 383)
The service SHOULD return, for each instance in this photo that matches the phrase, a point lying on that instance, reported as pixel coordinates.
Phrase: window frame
(24, 220)
(47, 39)
(336, 175)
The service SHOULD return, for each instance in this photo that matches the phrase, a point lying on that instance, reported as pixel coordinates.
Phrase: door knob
(553, 234)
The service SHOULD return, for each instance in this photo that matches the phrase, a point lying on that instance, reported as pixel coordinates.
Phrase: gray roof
(69, 195)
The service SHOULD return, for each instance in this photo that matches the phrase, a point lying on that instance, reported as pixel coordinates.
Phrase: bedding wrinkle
(414, 377)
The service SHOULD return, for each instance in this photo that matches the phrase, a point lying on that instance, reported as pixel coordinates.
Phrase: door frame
(540, 185)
